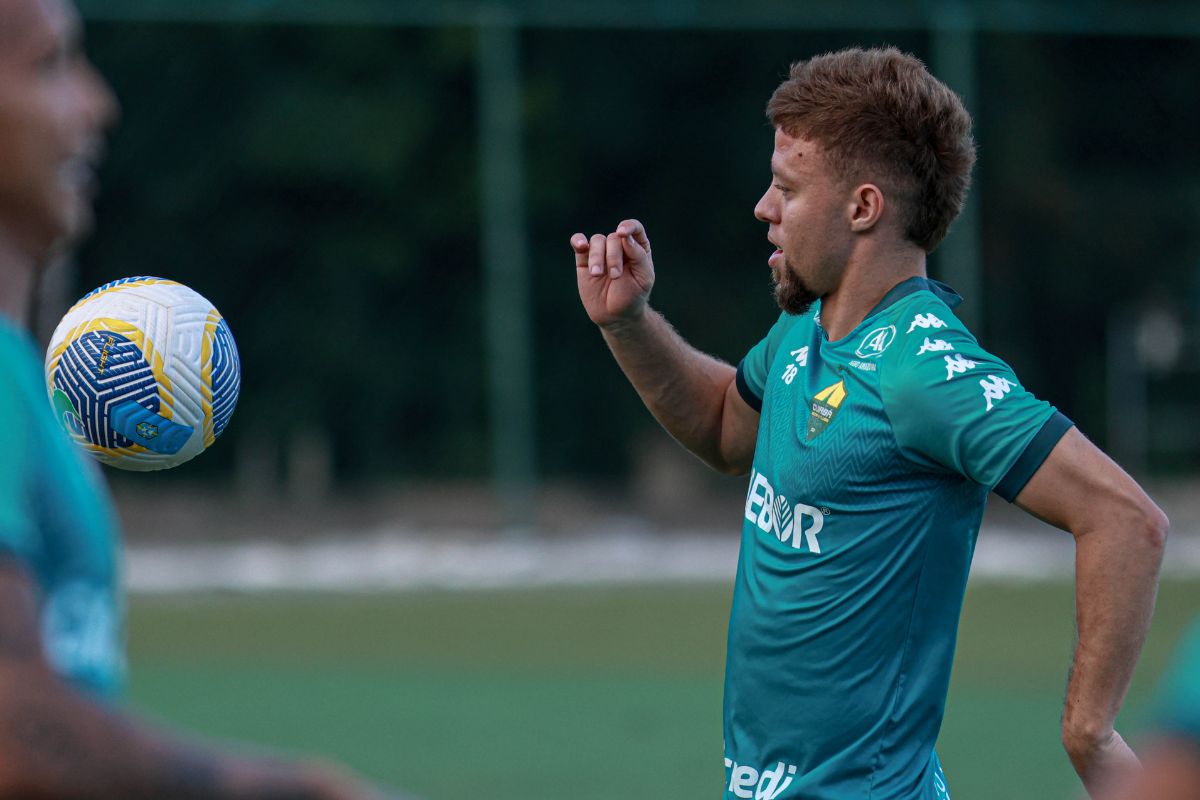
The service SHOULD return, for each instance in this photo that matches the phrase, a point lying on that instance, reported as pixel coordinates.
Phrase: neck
(864, 284)
(18, 280)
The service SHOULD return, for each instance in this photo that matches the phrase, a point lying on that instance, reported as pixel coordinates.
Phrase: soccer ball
(143, 373)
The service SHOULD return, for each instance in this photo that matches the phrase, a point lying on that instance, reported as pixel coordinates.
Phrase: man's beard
(791, 293)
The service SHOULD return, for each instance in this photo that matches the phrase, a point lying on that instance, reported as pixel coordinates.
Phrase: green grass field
(576, 694)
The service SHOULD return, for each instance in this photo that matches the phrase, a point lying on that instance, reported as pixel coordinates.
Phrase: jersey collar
(913, 285)
(898, 292)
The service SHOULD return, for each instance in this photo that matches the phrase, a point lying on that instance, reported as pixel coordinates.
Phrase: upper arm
(1079, 488)
(26, 678)
(744, 398)
(739, 431)
(20, 635)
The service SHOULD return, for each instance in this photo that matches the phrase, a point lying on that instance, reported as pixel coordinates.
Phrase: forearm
(59, 744)
(682, 387)
(1116, 576)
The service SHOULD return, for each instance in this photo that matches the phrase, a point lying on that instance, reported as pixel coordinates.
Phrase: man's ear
(866, 207)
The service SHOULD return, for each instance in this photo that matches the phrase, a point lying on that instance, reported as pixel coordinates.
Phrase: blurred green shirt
(874, 459)
(56, 521)
(1178, 704)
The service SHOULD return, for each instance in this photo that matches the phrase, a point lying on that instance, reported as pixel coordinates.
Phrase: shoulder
(785, 323)
(936, 373)
(21, 366)
(930, 342)
(753, 369)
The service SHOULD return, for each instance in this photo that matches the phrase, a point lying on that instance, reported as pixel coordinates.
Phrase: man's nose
(103, 106)
(763, 210)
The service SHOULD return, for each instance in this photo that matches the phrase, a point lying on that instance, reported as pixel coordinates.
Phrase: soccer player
(873, 426)
(61, 733)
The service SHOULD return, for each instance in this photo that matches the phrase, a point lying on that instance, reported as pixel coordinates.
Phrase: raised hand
(615, 273)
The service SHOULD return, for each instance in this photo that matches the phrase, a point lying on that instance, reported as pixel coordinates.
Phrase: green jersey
(1178, 702)
(874, 458)
(56, 521)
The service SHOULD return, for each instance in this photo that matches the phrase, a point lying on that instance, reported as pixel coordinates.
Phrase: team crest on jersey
(875, 342)
(824, 406)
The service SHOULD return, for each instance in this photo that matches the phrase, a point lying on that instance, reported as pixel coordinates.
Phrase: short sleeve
(16, 513)
(954, 406)
(753, 369)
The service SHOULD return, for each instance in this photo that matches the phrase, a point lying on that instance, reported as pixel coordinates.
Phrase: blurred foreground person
(873, 426)
(61, 736)
(1172, 755)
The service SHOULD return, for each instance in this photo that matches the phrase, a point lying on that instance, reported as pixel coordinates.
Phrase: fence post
(508, 344)
(958, 258)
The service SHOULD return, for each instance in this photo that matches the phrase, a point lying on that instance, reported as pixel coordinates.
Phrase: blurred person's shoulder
(20, 368)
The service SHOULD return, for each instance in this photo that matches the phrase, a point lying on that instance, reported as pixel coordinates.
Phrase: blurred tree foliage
(320, 186)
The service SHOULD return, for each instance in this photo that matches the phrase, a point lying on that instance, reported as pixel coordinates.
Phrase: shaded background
(378, 197)
(321, 183)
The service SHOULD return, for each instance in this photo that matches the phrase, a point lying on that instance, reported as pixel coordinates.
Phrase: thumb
(633, 249)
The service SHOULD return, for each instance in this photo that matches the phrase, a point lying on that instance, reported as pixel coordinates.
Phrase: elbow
(733, 469)
(1162, 529)
(1154, 526)
(733, 464)
(1137, 522)
(1083, 741)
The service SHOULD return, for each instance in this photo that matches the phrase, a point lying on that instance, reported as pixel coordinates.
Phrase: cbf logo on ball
(143, 373)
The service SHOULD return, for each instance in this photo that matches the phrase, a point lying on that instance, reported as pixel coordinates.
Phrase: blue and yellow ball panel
(226, 378)
(106, 391)
(220, 376)
(140, 280)
(100, 370)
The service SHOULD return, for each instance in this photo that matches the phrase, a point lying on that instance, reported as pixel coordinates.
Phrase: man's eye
(782, 189)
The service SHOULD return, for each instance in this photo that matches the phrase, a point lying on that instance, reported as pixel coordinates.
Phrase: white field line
(398, 560)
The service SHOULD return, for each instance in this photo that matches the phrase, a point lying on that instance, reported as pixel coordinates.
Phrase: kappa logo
(995, 388)
(792, 370)
(958, 365)
(747, 782)
(875, 342)
(925, 321)
(773, 514)
(936, 346)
